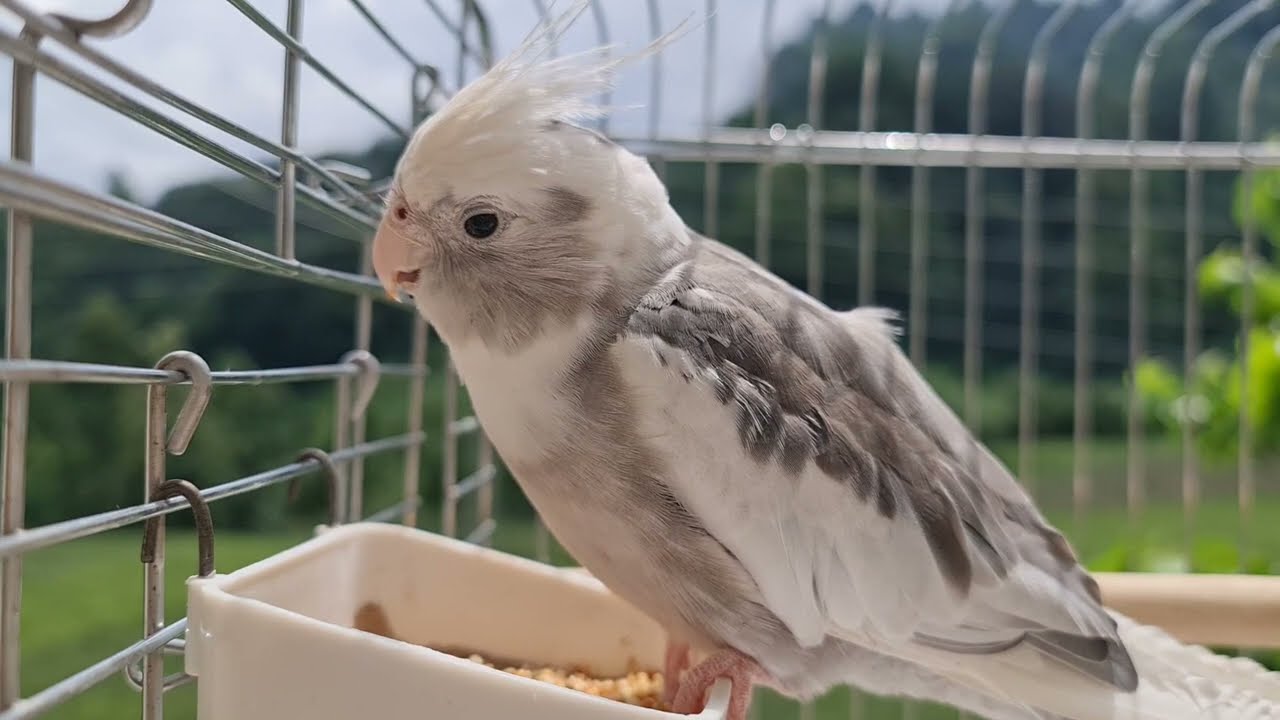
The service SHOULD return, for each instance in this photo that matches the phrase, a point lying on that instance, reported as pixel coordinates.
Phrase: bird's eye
(481, 225)
(402, 213)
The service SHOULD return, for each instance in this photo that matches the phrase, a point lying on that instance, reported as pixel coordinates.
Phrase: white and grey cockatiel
(768, 478)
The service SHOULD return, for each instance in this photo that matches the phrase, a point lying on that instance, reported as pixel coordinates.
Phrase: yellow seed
(635, 688)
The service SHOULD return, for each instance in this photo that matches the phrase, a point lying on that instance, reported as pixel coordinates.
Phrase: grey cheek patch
(565, 207)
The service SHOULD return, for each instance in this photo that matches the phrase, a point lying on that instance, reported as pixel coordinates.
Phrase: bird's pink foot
(676, 661)
(741, 670)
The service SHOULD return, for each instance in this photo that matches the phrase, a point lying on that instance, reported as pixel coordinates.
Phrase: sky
(209, 53)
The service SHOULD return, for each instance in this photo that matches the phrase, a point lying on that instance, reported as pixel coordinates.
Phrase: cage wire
(893, 172)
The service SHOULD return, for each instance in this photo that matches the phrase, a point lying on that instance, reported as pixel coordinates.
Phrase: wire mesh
(916, 231)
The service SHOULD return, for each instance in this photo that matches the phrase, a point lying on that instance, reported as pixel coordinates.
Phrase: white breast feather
(513, 393)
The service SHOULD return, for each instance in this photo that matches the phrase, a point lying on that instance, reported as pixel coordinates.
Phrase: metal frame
(349, 199)
(329, 188)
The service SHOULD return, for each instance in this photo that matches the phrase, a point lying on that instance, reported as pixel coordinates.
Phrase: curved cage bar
(926, 77)
(975, 213)
(1246, 485)
(1085, 238)
(711, 182)
(764, 171)
(867, 178)
(813, 173)
(1193, 89)
(1032, 188)
(1010, 176)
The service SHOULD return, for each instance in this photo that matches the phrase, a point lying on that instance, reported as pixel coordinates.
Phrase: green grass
(83, 601)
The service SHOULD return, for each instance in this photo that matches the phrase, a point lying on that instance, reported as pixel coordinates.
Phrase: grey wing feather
(810, 384)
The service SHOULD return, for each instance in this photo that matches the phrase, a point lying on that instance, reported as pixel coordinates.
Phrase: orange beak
(392, 261)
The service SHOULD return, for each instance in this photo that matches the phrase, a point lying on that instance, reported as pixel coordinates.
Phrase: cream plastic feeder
(278, 640)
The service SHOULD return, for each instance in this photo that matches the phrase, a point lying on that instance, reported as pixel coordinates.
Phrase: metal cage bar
(1246, 485)
(1139, 214)
(17, 341)
(1082, 420)
(764, 172)
(480, 481)
(947, 150)
(1189, 128)
(711, 168)
(80, 81)
(867, 181)
(1032, 189)
(28, 194)
(975, 217)
(297, 50)
(926, 76)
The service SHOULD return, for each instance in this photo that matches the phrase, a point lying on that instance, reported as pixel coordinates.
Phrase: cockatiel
(768, 478)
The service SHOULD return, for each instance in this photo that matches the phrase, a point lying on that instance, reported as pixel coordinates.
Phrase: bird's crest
(505, 109)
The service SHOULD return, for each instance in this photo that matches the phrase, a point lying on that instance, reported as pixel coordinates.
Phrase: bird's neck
(648, 237)
(649, 242)
(519, 396)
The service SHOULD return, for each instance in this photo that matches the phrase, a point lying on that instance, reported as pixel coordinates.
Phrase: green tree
(1243, 380)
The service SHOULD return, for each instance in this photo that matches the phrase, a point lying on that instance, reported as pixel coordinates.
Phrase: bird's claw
(740, 670)
(677, 659)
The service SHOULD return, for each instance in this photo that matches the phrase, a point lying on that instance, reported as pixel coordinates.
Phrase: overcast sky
(211, 54)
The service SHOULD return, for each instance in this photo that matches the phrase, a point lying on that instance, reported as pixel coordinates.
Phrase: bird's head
(504, 216)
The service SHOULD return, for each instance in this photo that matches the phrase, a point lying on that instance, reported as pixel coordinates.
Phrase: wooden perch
(1214, 610)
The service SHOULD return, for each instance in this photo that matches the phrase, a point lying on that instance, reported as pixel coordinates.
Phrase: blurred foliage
(1210, 399)
(998, 403)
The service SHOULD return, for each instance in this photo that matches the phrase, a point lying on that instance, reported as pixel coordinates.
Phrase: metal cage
(866, 155)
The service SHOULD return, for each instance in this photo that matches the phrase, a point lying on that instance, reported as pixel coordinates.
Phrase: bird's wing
(855, 499)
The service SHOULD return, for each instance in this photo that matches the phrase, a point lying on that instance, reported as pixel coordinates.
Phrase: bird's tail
(1206, 684)
(1176, 682)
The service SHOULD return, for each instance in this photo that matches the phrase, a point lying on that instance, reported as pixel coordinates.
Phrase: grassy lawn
(82, 601)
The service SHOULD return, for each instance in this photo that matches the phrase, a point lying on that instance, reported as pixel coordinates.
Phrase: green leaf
(1164, 561)
(1264, 376)
(1215, 556)
(1221, 274)
(1212, 369)
(1156, 380)
(1266, 294)
(1118, 558)
(1262, 203)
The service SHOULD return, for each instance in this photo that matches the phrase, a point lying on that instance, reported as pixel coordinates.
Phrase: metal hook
(150, 532)
(121, 23)
(424, 89)
(133, 674)
(197, 371)
(204, 523)
(472, 11)
(331, 473)
(370, 374)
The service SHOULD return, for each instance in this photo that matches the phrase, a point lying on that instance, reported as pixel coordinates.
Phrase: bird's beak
(392, 263)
